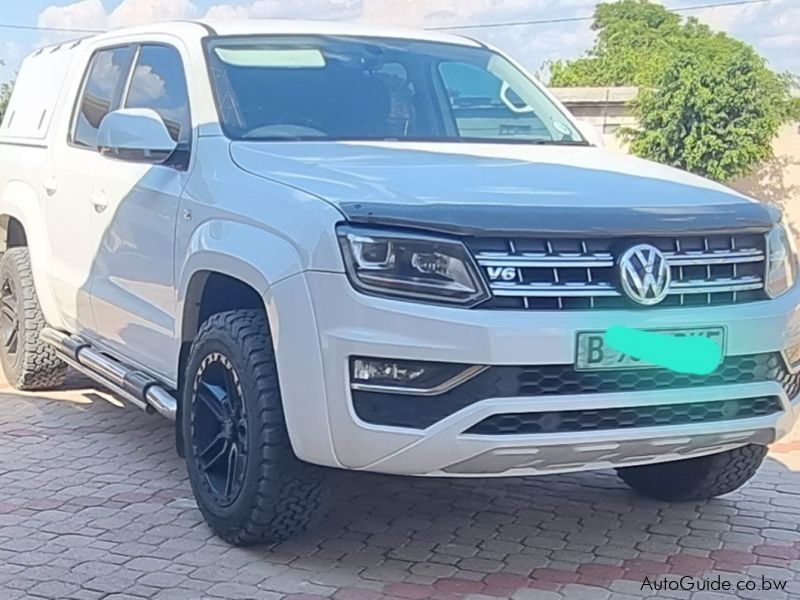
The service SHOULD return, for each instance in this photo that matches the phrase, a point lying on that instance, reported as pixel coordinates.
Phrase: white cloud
(10, 52)
(772, 27)
(90, 14)
(11, 55)
(147, 11)
(87, 14)
(339, 10)
(532, 45)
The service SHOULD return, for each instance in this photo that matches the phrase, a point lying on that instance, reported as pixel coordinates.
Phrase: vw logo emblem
(645, 274)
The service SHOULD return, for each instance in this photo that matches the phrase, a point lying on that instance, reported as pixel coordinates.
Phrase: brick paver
(95, 504)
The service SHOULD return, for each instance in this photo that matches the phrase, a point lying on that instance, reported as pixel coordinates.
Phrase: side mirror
(135, 134)
(591, 132)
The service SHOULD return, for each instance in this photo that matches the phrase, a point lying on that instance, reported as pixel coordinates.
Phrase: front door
(68, 180)
(135, 208)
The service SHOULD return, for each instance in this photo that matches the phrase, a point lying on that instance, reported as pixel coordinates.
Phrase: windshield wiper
(560, 142)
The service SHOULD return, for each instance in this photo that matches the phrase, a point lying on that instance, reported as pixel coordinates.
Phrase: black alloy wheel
(9, 317)
(28, 362)
(219, 429)
(249, 485)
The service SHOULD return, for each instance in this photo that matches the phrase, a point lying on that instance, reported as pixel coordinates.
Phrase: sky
(772, 27)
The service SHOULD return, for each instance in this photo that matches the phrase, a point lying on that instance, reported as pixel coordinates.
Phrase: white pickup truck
(319, 244)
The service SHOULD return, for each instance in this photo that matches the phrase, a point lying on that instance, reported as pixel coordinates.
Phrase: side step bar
(139, 389)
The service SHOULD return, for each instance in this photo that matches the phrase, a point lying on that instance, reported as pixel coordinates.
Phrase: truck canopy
(37, 93)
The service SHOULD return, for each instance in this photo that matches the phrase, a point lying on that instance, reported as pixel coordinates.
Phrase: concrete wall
(778, 180)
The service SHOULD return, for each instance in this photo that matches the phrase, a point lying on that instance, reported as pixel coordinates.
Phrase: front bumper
(319, 322)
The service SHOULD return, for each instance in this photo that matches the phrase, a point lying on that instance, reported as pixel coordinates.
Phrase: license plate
(593, 354)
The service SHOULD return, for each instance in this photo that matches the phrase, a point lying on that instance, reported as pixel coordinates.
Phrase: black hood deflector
(564, 221)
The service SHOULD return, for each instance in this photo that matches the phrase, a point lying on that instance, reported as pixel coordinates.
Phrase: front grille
(627, 418)
(540, 273)
(419, 412)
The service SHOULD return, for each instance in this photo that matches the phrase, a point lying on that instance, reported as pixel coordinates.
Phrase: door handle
(99, 201)
(50, 184)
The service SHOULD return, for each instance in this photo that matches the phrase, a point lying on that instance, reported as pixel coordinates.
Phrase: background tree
(708, 103)
(5, 94)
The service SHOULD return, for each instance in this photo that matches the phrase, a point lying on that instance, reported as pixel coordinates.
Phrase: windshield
(342, 88)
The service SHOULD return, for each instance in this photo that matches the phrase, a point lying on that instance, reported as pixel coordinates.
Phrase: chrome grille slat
(582, 274)
(585, 251)
(550, 262)
(719, 285)
(554, 291)
(689, 259)
(675, 259)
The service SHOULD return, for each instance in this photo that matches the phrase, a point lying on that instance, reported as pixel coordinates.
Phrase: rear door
(135, 208)
(68, 180)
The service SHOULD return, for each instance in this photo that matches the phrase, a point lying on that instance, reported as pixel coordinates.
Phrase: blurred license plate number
(593, 354)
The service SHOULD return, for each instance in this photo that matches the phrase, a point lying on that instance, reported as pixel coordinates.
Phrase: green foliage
(708, 103)
(633, 37)
(5, 94)
(716, 119)
(794, 104)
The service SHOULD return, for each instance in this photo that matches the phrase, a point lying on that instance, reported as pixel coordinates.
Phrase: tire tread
(288, 492)
(40, 367)
(699, 478)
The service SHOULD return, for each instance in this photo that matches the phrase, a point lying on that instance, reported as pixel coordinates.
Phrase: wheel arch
(19, 204)
(224, 252)
(12, 233)
(209, 292)
(230, 266)
(23, 224)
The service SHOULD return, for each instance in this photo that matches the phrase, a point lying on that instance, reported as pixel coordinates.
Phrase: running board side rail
(136, 387)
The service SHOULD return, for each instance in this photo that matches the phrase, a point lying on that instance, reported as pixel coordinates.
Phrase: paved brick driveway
(94, 504)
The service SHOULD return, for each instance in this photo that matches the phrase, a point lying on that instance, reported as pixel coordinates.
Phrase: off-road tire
(279, 495)
(33, 365)
(696, 478)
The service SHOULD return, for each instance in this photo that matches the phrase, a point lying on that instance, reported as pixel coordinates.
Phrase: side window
(107, 73)
(159, 82)
(484, 106)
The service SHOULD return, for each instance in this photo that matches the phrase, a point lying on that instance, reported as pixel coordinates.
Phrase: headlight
(781, 261)
(407, 265)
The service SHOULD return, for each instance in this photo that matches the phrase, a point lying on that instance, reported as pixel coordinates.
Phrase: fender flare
(250, 254)
(242, 251)
(22, 202)
(259, 259)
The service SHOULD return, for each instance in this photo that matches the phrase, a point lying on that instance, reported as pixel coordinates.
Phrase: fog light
(420, 378)
(386, 372)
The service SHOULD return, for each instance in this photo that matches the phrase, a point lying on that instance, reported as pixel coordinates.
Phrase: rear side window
(101, 93)
(159, 83)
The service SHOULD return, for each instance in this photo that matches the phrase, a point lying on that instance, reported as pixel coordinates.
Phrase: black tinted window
(159, 82)
(101, 93)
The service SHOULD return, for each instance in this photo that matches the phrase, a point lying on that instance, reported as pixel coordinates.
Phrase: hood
(502, 188)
